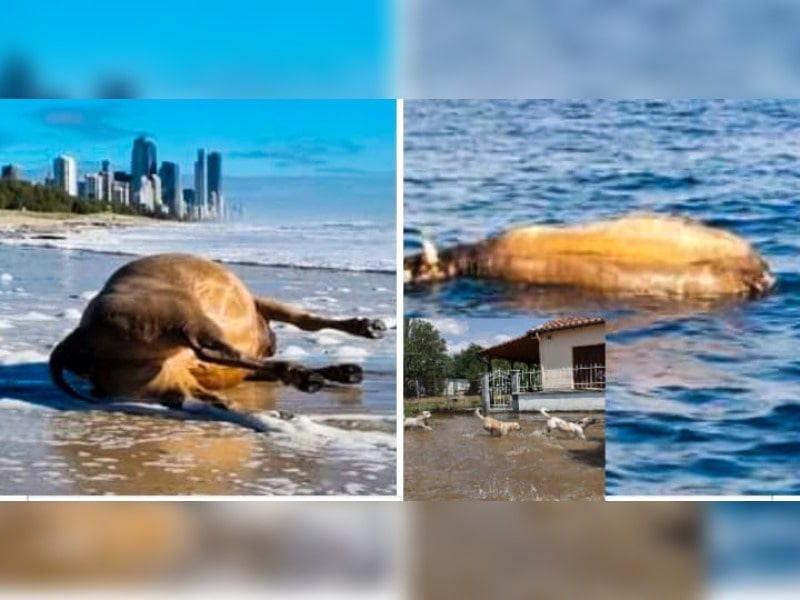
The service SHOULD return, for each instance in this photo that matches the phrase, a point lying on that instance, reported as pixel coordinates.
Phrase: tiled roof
(567, 323)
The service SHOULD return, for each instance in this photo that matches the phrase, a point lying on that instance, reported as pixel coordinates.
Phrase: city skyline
(148, 186)
(334, 157)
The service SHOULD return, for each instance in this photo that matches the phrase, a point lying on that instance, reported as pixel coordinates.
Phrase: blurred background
(754, 550)
(333, 549)
(196, 49)
(401, 48)
(433, 550)
(600, 48)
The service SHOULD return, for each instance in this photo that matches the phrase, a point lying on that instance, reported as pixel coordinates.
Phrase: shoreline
(21, 223)
(35, 234)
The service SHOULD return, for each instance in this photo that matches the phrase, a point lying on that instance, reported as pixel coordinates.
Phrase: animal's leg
(344, 373)
(280, 370)
(205, 338)
(278, 311)
(298, 376)
(171, 316)
(211, 399)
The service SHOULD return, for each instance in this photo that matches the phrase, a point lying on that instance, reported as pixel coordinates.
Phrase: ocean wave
(382, 267)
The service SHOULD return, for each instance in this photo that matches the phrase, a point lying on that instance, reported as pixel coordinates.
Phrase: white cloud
(447, 326)
(500, 338)
(456, 347)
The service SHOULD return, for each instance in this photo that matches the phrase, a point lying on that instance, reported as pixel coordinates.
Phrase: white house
(559, 365)
(456, 387)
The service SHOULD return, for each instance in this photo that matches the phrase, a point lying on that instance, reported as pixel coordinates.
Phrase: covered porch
(515, 379)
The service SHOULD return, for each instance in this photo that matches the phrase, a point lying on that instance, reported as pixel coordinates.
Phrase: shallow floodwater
(459, 460)
(341, 441)
(701, 398)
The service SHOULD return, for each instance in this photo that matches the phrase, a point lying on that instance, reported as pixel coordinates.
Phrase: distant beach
(18, 223)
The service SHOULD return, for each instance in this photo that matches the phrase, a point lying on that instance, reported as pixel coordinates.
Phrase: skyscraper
(94, 186)
(11, 173)
(170, 174)
(215, 182)
(65, 174)
(144, 196)
(188, 202)
(106, 180)
(200, 192)
(143, 160)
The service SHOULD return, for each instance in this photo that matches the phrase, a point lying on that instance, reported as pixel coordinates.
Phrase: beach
(342, 440)
(25, 222)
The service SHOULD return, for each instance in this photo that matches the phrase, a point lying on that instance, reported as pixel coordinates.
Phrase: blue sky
(206, 49)
(330, 152)
(461, 332)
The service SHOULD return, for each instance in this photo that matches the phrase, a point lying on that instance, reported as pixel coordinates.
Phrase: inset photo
(198, 297)
(675, 220)
(504, 409)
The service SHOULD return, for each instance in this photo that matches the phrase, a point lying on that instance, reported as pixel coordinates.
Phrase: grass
(439, 404)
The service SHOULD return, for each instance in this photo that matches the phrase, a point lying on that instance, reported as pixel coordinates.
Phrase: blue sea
(702, 398)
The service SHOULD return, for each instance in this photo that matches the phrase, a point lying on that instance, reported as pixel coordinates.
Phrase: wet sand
(459, 460)
(79, 451)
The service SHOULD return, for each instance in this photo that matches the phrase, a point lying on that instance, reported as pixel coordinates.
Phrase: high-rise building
(121, 192)
(143, 160)
(94, 187)
(11, 173)
(200, 191)
(170, 174)
(145, 194)
(189, 203)
(106, 180)
(65, 174)
(155, 183)
(214, 181)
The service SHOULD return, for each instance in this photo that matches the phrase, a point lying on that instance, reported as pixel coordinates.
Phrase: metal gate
(500, 390)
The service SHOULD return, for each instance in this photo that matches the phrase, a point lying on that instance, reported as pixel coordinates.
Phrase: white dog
(418, 422)
(494, 426)
(575, 429)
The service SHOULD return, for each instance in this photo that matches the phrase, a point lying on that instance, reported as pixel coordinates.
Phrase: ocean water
(702, 398)
(314, 244)
(341, 441)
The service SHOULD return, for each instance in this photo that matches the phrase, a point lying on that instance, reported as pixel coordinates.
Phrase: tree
(16, 195)
(426, 360)
(468, 365)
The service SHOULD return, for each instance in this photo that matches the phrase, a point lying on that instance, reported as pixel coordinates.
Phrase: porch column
(485, 393)
(515, 375)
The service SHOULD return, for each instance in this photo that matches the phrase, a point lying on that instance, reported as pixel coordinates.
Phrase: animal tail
(544, 412)
(479, 413)
(63, 359)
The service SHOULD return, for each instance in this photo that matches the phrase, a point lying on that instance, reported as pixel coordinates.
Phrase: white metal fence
(583, 377)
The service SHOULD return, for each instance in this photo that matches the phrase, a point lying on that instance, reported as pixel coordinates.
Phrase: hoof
(371, 328)
(305, 380)
(343, 373)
